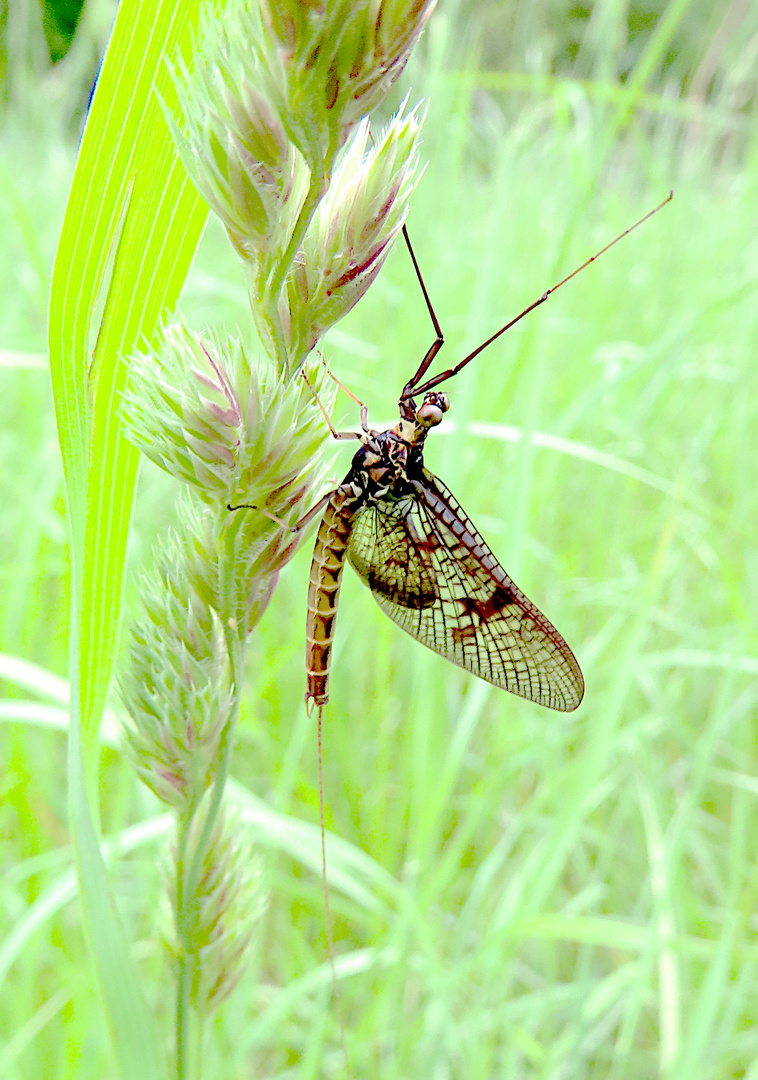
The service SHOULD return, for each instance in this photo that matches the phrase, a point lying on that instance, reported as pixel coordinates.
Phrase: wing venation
(433, 574)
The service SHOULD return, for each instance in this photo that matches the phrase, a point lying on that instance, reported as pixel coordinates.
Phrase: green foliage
(130, 231)
(517, 894)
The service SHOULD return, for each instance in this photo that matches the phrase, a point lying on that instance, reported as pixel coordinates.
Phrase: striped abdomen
(324, 589)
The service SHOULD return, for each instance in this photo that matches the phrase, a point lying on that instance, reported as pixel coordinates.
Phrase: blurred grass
(541, 896)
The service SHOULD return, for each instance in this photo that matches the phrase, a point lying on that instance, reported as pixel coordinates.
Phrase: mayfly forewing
(432, 573)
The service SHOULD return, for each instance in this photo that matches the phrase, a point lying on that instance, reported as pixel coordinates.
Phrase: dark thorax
(388, 460)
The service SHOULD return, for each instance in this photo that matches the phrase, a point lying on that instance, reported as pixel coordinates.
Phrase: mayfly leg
(316, 509)
(412, 387)
(439, 341)
(364, 408)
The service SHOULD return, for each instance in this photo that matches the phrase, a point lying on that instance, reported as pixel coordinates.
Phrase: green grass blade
(131, 228)
(660, 40)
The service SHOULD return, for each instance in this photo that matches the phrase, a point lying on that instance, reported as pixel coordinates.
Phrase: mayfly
(428, 568)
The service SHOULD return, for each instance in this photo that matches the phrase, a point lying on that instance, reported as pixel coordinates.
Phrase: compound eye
(429, 415)
(431, 412)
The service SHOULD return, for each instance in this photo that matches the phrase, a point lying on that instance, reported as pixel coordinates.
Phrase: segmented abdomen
(323, 590)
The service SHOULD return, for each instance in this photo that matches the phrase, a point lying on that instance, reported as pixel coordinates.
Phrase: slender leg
(337, 434)
(412, 388)
(438, 342)
(340, 435)
(341, 385)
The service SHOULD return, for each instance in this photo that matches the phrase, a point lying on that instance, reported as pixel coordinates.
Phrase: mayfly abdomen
(323, 590)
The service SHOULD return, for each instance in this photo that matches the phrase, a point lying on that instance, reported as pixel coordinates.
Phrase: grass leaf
(132, 225)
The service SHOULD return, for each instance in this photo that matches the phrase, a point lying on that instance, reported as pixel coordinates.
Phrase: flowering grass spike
(272, 128)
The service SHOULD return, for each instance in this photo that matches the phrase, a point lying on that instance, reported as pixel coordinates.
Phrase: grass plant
(517, 893)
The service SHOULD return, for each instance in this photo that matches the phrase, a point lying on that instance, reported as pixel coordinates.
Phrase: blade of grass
(131, 228)
(660, 40)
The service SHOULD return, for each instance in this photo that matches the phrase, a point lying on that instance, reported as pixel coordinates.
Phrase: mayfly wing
(387, 552)
(433, 574)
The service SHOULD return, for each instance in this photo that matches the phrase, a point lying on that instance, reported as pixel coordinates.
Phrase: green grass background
(517, 893)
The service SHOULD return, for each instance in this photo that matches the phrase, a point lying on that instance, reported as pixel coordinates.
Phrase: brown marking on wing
(488, 608)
